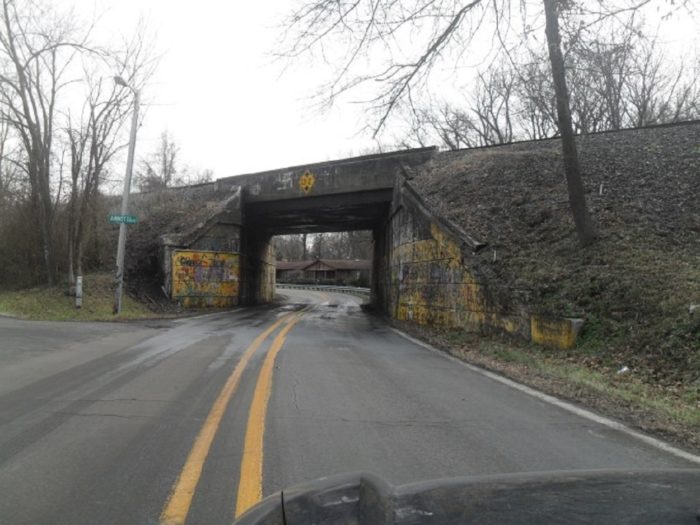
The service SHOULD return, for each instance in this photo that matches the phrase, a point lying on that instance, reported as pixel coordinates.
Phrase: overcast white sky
(221, 94)
(223, 97)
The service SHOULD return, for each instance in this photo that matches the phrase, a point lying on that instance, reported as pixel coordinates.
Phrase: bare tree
(574, 183)
(487, 117)
(656, 94)
(448, 124)
(96, 136)
(160, 169)
(454, 127)
(360, 244)
(37, 46)
(93, 140)
(415, 37)
(11, 169)
(17, 226)
(537, 112)
(291, 247)
(618, 76)
(332, 245)
(493, 107)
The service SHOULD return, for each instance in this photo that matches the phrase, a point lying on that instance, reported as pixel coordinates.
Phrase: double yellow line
(250, 482)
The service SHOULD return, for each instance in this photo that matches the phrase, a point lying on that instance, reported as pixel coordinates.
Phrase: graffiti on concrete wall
(431, 282)
(205, 278)
(307, 181)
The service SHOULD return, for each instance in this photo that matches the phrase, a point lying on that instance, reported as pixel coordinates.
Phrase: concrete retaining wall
(430, 274)
(205, 278)
(432, 277)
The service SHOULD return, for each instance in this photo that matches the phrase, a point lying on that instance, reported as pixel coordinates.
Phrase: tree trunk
(44, 207)
(96, 246)
(80, 235)
(47, 241)
(71, 259)
(577, 198)
(79, 263)
(71, 233)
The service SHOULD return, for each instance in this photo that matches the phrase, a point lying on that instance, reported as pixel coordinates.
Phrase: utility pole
(121, 245)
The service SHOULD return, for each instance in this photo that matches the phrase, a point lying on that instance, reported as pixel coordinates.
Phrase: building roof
(292, 265)
(335, 264)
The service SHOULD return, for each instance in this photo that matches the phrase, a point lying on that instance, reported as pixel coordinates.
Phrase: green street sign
(126, 219)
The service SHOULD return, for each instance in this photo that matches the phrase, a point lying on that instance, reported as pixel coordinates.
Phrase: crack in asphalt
(384, 422)
(111, 400)
(295, 394)
(102, 414)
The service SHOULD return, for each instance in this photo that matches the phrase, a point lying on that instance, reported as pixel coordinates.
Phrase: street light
(121, 245)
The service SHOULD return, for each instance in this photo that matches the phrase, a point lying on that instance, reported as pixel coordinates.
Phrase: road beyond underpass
(194, 420)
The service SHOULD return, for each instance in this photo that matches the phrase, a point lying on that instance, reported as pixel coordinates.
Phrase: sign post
(79, 291)
(121, 244)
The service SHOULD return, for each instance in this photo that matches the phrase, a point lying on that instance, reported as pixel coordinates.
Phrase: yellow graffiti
(205, 278)
(446, 248)
(307, 181)
(557, 333)
(267, 275)
(436, 287)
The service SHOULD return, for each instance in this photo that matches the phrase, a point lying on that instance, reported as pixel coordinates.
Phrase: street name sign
(126, 219)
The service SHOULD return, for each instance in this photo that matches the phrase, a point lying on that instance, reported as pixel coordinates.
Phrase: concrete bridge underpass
(426, 269)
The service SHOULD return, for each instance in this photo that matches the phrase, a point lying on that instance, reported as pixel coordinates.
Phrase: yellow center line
(180, 499)
(251, 473)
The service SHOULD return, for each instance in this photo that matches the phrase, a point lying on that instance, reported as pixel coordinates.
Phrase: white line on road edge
(582, 412)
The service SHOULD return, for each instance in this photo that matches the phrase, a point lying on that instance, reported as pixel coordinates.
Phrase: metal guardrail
(353, 290)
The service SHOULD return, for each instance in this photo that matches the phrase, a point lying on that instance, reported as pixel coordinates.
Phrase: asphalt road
(193, 420)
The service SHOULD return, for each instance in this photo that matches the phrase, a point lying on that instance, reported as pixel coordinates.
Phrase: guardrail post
(79, 291)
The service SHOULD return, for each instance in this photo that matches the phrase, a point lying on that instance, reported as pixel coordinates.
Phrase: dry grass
(54, 304)
(681, 404)
(671, 412)
(633, 286)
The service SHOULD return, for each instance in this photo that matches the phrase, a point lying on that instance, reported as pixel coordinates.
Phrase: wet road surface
(192, 421)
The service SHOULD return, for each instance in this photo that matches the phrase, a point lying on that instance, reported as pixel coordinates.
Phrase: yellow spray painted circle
(307, 181)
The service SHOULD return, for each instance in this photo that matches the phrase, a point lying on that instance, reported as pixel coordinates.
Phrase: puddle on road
(292, 307)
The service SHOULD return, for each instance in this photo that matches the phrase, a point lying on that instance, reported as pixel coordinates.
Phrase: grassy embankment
(671, 412)
(638, 356)
(53, 304)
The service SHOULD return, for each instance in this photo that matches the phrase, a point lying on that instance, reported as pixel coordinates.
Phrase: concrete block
(556, 333)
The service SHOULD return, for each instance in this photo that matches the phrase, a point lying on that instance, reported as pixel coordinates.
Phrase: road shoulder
(641, 407)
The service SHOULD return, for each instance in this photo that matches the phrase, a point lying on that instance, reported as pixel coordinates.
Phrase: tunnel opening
(323, 240)
(229, 256)
(325, 259)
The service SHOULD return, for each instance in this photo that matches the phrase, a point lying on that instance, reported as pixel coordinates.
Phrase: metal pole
(79, 291)
(121, 246)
